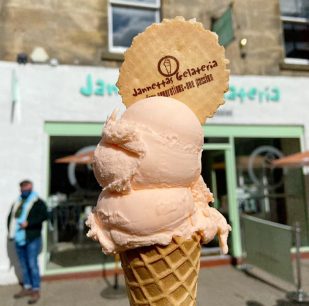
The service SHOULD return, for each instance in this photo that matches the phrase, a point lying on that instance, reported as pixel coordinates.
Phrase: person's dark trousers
(28, 259)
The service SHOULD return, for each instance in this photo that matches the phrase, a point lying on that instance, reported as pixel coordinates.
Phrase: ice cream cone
(148, 163)
(163, 275)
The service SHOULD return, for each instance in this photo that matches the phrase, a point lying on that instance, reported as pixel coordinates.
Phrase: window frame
(156, 7)
(293, 20)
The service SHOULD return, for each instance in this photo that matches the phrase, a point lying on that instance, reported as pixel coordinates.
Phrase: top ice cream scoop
(157, 144)
(148, 163)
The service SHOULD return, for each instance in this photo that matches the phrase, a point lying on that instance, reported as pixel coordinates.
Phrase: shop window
(266, 192)
(73, 193)
(295, 21)
(127, 18)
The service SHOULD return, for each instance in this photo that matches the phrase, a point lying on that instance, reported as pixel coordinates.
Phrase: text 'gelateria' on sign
(267, 94)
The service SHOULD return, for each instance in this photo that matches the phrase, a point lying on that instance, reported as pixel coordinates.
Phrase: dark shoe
(22, 293)
(35, 296)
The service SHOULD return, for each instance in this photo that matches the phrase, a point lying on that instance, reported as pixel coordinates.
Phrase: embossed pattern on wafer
(163, 275)
(178, 59)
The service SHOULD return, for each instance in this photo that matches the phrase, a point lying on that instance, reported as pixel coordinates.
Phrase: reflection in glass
(214, 173)
(69, 205)
(128, 22)
(215, 140)
(294, 8)
(296, 38)
(267, 192)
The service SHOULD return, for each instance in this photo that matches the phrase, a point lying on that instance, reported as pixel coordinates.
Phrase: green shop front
(234, 166)
(261, 121)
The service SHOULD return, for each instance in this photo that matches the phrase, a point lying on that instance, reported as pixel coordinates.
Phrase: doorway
(218, 171)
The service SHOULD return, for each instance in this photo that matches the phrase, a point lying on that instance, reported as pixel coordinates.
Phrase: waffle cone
(163, 275)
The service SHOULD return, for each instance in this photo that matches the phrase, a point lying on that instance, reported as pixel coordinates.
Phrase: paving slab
(217, 286)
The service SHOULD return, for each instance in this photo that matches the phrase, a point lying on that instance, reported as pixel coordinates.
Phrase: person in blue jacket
(24, 227)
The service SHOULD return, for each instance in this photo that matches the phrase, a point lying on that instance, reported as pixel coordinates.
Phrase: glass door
(218, 171)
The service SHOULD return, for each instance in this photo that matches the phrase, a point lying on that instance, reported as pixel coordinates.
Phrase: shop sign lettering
(98, 87)
(241, 94)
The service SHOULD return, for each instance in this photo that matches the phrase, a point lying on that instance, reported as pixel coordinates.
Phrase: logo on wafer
(168, 65)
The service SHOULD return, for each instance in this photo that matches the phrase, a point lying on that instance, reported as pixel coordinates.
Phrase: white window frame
(300, 20)
(130, 4)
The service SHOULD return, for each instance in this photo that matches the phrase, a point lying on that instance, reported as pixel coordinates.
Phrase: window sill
(295, 64)
(109, 56)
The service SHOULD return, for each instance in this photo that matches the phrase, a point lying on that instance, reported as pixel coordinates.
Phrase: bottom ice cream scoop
(154, 216)
(141, 217)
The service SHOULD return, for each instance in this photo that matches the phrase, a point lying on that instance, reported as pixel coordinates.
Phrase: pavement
(217, 286)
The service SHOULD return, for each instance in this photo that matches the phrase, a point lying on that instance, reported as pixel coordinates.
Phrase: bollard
(299, 295)
(115, 290)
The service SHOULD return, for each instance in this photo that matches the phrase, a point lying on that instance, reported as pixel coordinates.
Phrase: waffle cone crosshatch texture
(178, 59)
(163, 275)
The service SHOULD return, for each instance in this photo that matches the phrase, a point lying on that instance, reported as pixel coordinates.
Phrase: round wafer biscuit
(179, 59)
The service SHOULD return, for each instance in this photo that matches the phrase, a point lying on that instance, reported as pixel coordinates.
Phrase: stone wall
(75, 32)
(72, 31)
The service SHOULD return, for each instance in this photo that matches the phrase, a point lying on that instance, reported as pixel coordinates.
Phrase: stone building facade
(77, 32)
